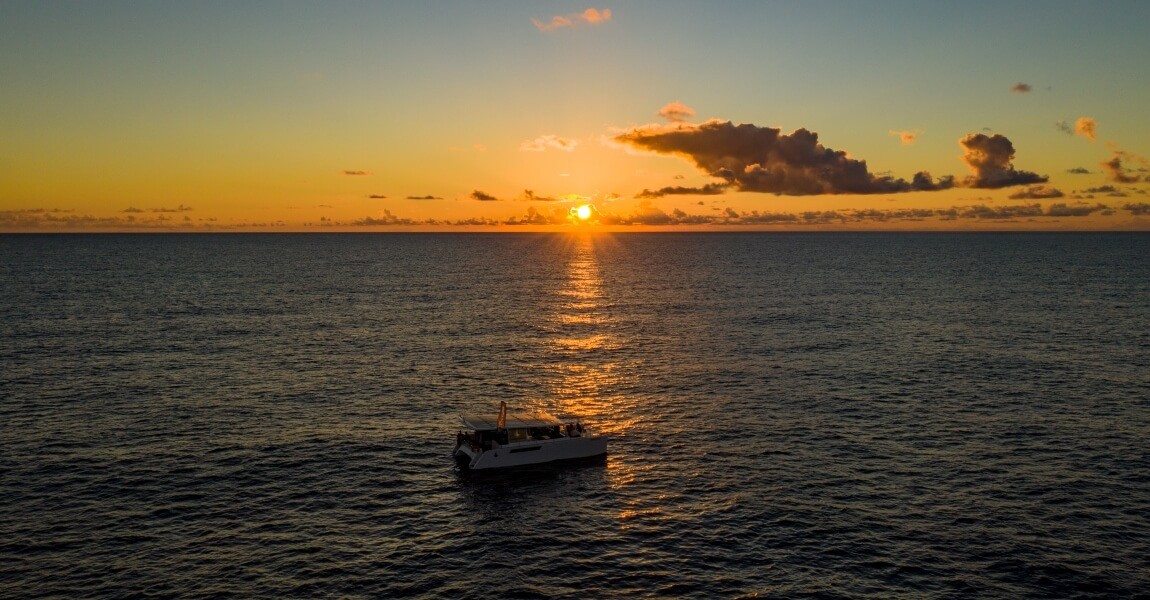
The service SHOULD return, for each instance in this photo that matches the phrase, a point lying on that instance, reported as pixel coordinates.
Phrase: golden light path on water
(582, 381)
(586, 371)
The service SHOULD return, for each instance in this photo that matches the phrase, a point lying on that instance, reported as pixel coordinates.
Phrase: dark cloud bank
(749, 158)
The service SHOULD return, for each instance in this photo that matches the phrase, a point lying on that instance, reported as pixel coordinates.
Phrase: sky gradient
(510, 116)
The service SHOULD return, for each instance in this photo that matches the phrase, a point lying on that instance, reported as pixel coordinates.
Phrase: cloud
(1117, 170)
(482, 196)
(38, 211)
(55, 218)
(646, 213)
(595, 17)
(755, 217)
(385, 219)
(1085, 127)
(556, 22)
(709, 189)
(427, 197)
(1108, 190)
(1073, 210)
(557, 216)
(377, 196)
(1078, 171)
(533, 217)
(354, 172)
(1037, 192)
(906, 137)
(531, 196)
(1102, 189)
(991, 158)
(761, 159)
(982, 211)
(1000, 213)
(544, 142)
(132, 209)
(923, 182)
(479, 221)
(591, 16)
(676, 112)
(179, 209)
(1020, 88)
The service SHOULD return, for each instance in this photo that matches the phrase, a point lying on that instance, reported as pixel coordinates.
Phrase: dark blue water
(792, 415)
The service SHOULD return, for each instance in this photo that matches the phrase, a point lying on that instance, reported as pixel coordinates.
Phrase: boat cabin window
(486, 437)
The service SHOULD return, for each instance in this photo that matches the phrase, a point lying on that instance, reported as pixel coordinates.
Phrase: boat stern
(464, 456)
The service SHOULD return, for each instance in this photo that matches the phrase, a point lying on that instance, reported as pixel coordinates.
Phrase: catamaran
(524, 438)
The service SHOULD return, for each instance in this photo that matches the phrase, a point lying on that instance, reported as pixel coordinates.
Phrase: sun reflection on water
(585, 366)
(582, 363)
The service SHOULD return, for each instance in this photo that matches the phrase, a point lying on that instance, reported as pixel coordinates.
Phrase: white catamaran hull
(515, 439)
(531, 452)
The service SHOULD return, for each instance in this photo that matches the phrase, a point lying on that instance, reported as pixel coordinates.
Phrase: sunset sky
(512, 115)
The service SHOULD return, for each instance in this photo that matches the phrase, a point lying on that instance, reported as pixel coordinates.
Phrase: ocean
(816, 415)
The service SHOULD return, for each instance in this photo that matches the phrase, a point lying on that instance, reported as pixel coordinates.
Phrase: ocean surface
(791, 415)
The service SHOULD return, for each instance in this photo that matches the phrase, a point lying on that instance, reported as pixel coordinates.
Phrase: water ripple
(864, 416)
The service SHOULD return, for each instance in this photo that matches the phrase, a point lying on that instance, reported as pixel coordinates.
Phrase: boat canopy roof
(515, 420)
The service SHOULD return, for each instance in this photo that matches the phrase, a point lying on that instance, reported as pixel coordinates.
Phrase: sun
(583, 212)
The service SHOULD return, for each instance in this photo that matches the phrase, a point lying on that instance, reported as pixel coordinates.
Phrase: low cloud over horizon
(1037, 192)
(645, 213)
(179, 209)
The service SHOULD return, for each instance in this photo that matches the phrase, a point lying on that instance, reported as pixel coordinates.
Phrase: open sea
(791, 415)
